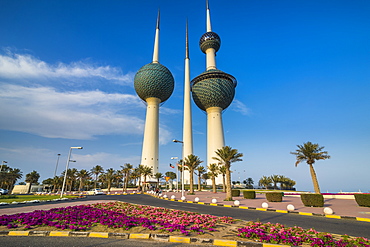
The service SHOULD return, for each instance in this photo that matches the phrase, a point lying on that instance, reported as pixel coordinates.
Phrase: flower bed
(295, 236)
(124, 216)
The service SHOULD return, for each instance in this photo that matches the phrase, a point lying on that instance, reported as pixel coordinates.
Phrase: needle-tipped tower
(154, 84)
(187, 125)
(213, 91)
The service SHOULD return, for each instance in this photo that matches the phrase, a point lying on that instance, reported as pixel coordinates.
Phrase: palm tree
(222, 170)
(213, 171)
(97, 170)
(265, 182)
(275, 180)
(126, 170)
(200, 170)
(172, 176)
(82, 175)
(135, 175)
(191, 163)
(227, 155)
(109, 177)
(57, 183)
(32, 178)
(310, 152)
(145, 172)
(9, 176)
(248, 183)
(158, 176)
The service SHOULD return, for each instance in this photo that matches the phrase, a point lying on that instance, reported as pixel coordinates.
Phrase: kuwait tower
(213, 91)
(154, 84)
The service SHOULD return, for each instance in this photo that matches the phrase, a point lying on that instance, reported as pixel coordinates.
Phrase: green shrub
(363, 200)
(235, 192)
(249, 194)
(312, 200)
(274, 196)
(7, 196)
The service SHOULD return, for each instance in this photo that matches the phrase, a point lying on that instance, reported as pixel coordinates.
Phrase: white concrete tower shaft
(215, 131)
(187, 121)
(150, 151)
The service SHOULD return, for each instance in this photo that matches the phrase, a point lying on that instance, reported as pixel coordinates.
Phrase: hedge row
(363, 200)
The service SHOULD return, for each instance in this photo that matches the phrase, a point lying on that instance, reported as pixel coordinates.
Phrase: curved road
(322, 224)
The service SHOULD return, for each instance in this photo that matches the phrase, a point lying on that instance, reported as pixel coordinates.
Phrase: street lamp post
(56, 167)
(65, 173)
(182, 173)
(177, 167)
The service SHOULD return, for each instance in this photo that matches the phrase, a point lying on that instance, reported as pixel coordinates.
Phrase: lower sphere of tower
(213, 88)
(154, 80)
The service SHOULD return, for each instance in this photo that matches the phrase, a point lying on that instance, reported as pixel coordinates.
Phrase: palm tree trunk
(223, 183)
(228, 186)
(199, 183)
(316, 186)
(214, 184)
(191, 182)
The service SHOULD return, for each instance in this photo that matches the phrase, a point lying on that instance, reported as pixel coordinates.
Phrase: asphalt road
(322, 224)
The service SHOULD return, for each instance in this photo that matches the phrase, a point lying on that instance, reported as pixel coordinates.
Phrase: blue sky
(67, 69)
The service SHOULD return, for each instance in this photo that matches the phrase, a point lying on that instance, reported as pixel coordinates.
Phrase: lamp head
(76, 147)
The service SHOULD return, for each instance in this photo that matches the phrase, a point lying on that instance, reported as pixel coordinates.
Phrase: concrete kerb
(271, 210)
(139, 236)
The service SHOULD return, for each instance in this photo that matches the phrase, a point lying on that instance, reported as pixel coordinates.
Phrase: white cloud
(72, 115)
(239, 106)
(25, 66)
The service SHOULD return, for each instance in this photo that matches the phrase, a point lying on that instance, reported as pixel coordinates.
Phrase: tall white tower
(213, 91)
(187, 136)
(154, 84)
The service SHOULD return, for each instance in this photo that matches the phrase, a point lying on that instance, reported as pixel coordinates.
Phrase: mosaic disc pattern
(213, 88)
(154, 80)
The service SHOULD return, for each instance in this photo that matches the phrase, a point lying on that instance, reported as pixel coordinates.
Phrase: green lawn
(22, 198)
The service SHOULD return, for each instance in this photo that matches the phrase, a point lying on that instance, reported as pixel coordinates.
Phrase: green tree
(32, 178)
(191, 163)
(226, 156)
(310, 152)
(97, 170)
(265, 182)
(200, 170)
(82, 176)
(275, 180)
(146, 171)
(9, 176)
(158, 176)
(172, 176)
(213, 172)
(248, 183)
(126, 170)
(108, 177)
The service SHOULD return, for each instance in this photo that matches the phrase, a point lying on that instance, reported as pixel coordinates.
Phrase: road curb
(140, 236)
(331, 216)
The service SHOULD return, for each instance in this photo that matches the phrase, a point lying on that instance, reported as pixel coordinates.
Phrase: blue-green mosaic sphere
(154, 80)
(209, 40)
(213, 88)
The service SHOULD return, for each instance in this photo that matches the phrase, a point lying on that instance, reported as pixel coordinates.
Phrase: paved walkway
(341, 207)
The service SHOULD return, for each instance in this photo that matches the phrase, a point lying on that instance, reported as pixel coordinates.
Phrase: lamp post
(56, 167)
(65, 173)
(177, 167)
(182, 173)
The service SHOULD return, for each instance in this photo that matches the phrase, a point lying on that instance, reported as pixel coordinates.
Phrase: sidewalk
(341, 207)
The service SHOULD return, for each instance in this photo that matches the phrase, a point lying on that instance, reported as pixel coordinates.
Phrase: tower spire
(187, 118)
(209, 26)
(156, 41)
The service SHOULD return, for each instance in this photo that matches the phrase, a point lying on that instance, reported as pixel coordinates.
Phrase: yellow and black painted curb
(139, 236)
(270, 210)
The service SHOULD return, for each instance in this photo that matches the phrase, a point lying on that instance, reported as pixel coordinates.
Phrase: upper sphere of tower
(213, 88)
(210, 40)
(154, 80)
